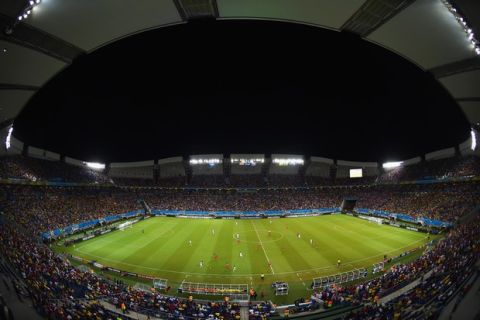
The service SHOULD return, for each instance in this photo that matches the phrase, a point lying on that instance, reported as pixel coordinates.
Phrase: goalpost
(160, 284)
(236, 292)
(339, 278)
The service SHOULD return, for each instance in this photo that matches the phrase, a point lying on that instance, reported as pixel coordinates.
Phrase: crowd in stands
(133, 182)
(49, 208)
(60, 291)
(32, 169)
(445, 202)
(435, 169)
(52, 207)
(285, 180)
(207, 181)
(260, 310)
(450, 262)
(354, 181)
(246, 181)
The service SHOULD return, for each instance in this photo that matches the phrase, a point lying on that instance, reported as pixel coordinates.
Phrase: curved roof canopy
(58, 32)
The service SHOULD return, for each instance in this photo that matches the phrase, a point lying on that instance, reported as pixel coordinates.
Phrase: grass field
(160, 247)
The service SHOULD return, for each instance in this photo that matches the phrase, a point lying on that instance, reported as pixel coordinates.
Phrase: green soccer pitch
(160, 247)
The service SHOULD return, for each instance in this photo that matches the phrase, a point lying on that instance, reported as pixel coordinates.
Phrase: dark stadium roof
(243, 86)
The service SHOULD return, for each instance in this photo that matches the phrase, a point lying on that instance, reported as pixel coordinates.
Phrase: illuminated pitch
(294, 250)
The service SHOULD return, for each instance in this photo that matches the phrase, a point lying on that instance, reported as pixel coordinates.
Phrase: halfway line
(261, 244)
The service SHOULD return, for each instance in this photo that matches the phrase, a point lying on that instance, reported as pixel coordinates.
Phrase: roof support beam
(468, 99)
(36, 39)
(10, 86)
(372, 14)
(456, 67)
(197, 9)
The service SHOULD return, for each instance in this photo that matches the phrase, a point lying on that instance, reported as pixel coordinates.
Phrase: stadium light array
(288, 162)
(9, 137)
(212, 161)
(95, 165)
(391, 165)
(463, 23)
(247, 162)
(28, 9)
(473, 146)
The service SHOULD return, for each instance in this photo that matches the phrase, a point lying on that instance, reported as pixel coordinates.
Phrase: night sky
(242, 87)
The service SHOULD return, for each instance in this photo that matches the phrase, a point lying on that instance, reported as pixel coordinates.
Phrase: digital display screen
(356, 173)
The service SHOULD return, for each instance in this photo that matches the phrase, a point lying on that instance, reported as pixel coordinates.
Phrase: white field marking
(300, 278)
(268, 241)
(115, 241)
(128, 245)
(261, 244)
(245, 274)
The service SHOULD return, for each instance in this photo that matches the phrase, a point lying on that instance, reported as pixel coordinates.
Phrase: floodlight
(288, 162)
(9, 136)
(391, 165)
(473, 146)
(95, 165)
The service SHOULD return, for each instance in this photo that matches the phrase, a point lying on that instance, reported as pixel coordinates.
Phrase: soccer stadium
(223, 159)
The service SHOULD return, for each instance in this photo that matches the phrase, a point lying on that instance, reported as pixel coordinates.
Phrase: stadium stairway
(13, 295)
(131, 314)
(244, 314)
(405, 289)
(465, 306)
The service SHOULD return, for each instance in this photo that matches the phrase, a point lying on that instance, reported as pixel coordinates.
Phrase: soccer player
(241, 254)
(262, 276)
(201, 263)
(269, 233)
(234, 268)
(190, 242)
(238, 236)
(338, 262)
(298, 235)
(311, 242)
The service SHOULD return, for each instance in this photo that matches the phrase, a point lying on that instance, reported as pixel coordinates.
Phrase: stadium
(220, 159)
